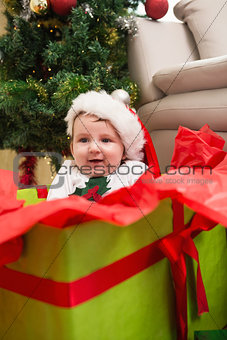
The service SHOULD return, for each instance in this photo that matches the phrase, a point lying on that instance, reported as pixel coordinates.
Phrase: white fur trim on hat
(105, 107)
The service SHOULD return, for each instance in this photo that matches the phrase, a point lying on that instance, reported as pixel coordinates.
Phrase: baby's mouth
(95, 161)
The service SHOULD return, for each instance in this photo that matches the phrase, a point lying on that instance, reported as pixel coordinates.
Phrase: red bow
(175, 248)
(93, 193)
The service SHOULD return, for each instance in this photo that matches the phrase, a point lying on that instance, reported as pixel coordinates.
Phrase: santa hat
(107, 107)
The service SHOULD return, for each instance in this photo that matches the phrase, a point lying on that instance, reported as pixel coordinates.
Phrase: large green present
(220, 334)
(97, 280)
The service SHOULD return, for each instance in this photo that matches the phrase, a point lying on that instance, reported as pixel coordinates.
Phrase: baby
(107, 146)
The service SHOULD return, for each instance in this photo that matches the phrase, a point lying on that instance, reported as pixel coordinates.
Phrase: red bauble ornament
(156, 9)
(62, 7)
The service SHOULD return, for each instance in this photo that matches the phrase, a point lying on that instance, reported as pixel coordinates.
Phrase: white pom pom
(121, 96)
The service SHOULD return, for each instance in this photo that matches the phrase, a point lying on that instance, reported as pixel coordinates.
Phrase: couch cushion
(192, 109)
(197, 75)
(207, 21)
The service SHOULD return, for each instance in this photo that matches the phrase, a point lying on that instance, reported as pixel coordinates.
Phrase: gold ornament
(39, 6)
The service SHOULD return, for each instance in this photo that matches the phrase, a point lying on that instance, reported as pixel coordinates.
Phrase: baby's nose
(94, 147)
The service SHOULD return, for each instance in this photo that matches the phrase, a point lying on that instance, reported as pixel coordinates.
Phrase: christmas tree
(52, 51)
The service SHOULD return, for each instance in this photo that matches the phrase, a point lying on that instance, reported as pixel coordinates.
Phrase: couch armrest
(197, 75)
(157, 45)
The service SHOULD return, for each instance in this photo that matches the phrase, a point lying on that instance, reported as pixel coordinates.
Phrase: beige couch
(181, 70)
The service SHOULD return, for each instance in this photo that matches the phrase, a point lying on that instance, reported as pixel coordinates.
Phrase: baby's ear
(123, 156)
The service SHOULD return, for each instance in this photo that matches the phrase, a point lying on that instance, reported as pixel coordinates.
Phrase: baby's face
(96, 146)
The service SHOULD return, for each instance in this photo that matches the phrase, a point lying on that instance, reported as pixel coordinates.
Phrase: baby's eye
(83, 140)
(105, 140)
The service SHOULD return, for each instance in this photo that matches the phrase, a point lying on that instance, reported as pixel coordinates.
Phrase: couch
(181, 71)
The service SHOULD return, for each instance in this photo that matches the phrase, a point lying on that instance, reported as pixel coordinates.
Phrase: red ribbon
(175, 248)
(70, 294)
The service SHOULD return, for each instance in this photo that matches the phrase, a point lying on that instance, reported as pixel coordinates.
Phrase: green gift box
(62, 268)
